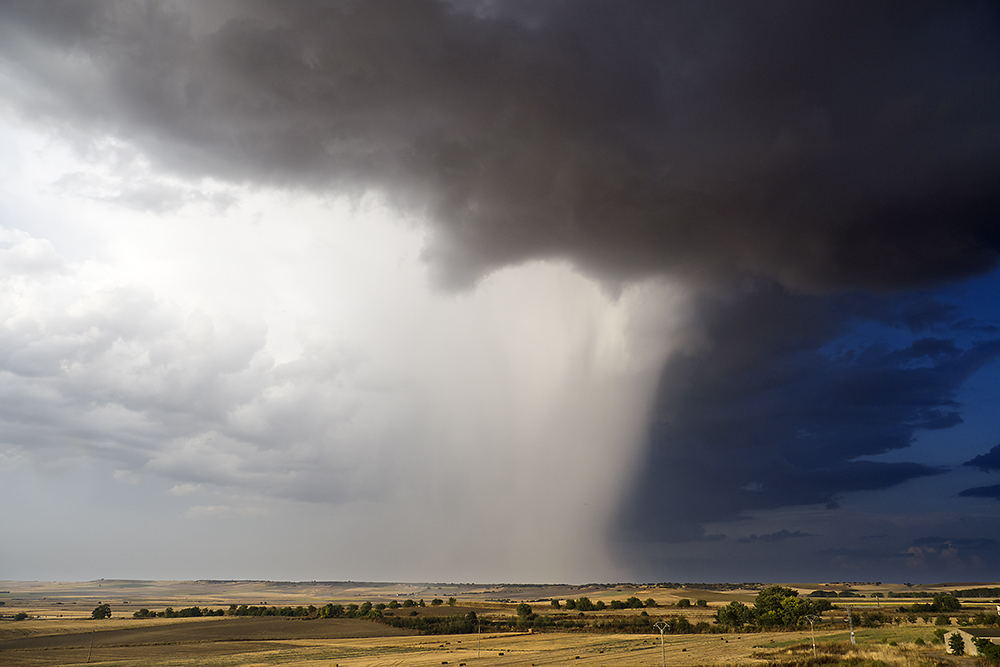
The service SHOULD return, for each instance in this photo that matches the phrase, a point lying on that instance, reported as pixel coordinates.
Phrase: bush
(101, 611)
(943, 619)
(20, 616)
(555, 604)
(650, 602)
(919, 641)
(988, 651)
(684, 602)
(702, 603)
(956, 644)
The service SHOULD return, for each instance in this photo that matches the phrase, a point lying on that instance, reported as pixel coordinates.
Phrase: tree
(524, 610)
(451, 602)
(684, 602)
(735, 615)
(702, 603)
(650, 602)
(988, 650)
(555, 604)
(101, 611)
(437, 602)
(956, 644)
(777, 606)
(20, 616)
(945, 602)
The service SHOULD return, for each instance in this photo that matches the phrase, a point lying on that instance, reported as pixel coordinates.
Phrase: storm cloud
(824, 146)
(768, 196)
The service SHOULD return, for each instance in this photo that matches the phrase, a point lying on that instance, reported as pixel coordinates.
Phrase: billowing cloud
(987, 462)
(824, 146)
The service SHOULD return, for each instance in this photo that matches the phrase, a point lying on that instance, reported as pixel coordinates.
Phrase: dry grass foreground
(269, 641)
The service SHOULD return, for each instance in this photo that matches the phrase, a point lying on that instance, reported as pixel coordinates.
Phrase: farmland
(58, 629)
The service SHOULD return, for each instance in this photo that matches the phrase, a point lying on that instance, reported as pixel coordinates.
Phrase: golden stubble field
(60, 631)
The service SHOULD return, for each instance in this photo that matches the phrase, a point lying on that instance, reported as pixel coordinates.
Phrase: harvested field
(177, 639)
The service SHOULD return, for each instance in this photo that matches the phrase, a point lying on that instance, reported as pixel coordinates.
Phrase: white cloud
(289, 348)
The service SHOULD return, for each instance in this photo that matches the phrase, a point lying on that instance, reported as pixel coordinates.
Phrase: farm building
(969, 634)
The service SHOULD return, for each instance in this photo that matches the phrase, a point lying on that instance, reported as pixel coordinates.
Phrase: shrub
(956, 644)
(20, 616)
(684, 602)
(988, 651)
(702, 603)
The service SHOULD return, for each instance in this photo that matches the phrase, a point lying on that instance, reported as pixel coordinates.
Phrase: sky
(500, 291)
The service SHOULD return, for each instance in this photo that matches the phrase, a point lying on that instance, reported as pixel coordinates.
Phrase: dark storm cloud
(986, 462)
(772, 412)
(963, 542)
(824, 145)
(779, 536)
(982, 492)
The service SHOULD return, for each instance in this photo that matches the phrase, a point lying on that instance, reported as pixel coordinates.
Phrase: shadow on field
(209, 637)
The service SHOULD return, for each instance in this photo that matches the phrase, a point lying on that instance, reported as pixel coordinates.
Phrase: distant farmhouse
(968, 635)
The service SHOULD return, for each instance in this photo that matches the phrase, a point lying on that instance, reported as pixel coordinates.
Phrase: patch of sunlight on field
(493, 650)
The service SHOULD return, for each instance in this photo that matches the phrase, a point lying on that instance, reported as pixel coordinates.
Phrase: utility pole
(811, 618)
(661, 626)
